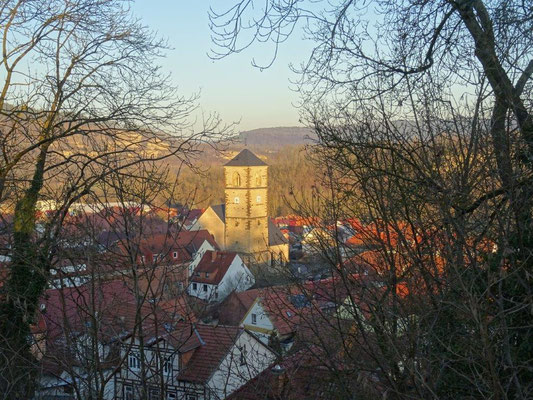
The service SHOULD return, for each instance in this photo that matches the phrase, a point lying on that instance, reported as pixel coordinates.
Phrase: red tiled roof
(300, 377)
(215, 264)
(185, 244)
(216, 343)
(178, 308)
(235, 306)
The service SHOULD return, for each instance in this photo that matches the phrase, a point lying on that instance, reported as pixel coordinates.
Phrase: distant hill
(274, 138)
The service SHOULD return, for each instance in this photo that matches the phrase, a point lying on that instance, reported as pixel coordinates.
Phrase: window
(243, 355)
(258, 199)
(192, 397)
(254, 319)
(205, 288)
(128, 392)
(175, 254)
(207, 274)
(236, 200)
(258, 180)
(154, 394)
(167, 366)
(236, 179)
(134, 363)
(172, 396)
(194, 286)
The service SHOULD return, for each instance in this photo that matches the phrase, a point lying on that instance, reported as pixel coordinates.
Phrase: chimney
(280, 380)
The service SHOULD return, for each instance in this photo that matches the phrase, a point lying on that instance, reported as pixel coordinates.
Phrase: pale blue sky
(231, 86)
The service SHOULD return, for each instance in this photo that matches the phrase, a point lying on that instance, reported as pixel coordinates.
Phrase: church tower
(246, 206)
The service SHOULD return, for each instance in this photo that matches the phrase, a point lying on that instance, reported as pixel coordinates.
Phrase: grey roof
(220, 211)
(275, 236)
(245, 159)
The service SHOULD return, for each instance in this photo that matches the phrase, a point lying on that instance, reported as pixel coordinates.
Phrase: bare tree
(81, 99)
(424, 119)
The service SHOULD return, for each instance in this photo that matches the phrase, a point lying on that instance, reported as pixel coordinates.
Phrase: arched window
(236, 179)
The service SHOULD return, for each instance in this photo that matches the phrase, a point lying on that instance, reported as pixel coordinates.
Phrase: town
(266, 200)
(187, 308)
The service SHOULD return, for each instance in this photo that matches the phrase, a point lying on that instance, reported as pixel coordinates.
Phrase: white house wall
(238, 277)
(263, 326)
(198, 256)
(231, 375)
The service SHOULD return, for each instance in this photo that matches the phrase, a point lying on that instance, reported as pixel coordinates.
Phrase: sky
(232, 87)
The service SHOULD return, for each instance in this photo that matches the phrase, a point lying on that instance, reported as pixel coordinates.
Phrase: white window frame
(258, 199)
(128, 393)
(134, 362)
(168, 365)
(254, 319)
(236, 200)
(194, 286)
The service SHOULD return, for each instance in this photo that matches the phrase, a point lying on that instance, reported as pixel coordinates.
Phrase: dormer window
(134, 363)
(167, 366)
(243, 355)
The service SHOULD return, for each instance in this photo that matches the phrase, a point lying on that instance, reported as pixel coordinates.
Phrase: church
(242, 223)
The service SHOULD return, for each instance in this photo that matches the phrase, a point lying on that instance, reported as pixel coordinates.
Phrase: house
(217, 274)
(279, 312)
(194, 362)
(242, 224)
(174, 248)
(264, 312)
(103, 343)
(228, 358)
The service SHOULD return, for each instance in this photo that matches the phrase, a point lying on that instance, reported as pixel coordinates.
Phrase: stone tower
(246, 201)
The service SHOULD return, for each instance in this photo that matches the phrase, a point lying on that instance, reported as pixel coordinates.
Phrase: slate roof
(216, 343)
(245, 159)
(275, 236)
(220, 211)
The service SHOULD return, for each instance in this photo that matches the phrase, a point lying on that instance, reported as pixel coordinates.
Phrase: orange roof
(216, 342)
(213, 267)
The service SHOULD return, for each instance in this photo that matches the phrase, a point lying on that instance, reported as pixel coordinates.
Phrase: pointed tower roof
(245, 159)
